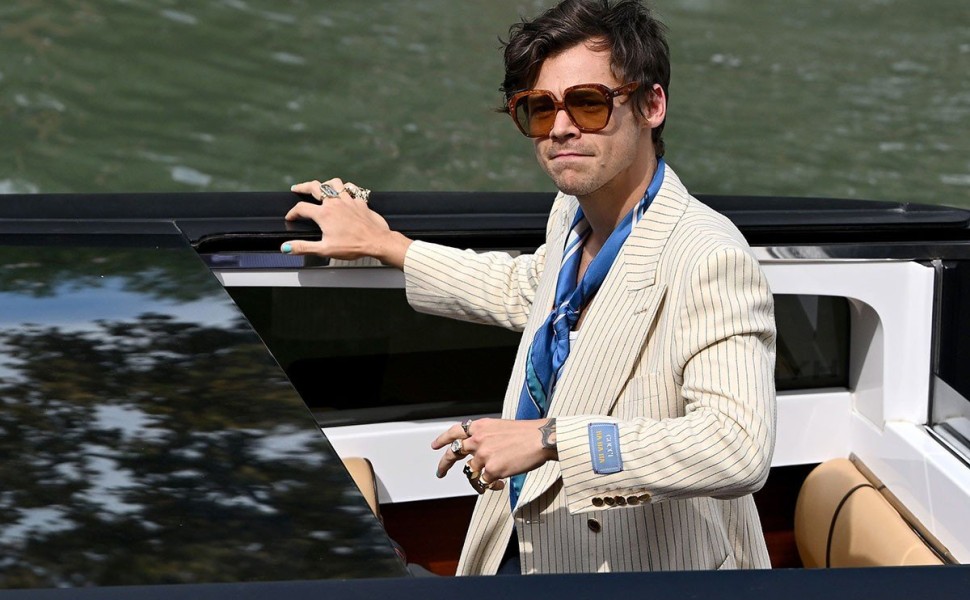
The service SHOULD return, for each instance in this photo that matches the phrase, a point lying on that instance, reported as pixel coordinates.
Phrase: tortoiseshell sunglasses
(588, 105)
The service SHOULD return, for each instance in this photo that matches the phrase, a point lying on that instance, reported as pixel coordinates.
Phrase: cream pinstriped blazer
(678, 348)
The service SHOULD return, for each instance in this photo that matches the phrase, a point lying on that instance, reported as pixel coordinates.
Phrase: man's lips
(567, 154)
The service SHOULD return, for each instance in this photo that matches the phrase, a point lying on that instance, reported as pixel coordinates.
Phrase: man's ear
(654, 107)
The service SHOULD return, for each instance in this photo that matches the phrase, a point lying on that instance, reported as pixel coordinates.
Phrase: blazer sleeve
(722, 445)
(493, 288)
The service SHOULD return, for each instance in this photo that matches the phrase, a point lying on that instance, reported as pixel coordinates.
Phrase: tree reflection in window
(159, 449)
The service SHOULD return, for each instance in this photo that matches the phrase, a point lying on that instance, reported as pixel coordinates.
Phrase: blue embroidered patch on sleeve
(604, 448)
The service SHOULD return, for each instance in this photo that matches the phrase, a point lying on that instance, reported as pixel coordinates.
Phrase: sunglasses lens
(589, 108)
(535, 114)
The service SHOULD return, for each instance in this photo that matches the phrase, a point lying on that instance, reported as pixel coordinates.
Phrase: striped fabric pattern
(551, 346)
(678, 348)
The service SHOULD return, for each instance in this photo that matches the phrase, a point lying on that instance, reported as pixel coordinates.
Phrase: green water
(864, 99)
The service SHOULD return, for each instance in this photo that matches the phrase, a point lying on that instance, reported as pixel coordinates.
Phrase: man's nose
(563, 126)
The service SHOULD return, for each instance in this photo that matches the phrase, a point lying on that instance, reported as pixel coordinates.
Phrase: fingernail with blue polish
(287, 248)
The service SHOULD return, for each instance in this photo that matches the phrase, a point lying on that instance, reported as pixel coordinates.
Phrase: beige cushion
(867, 530)
(362, 472)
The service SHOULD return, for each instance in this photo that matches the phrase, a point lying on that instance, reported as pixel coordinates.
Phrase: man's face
(580, 163)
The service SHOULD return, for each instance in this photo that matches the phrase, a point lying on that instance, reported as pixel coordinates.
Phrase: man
(640, 414)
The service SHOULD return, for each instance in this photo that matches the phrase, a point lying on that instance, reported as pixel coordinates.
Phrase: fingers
(460, 442)
(455, 432)
(459, 447)
(465, 447)
(447, 460)
(315, 188)
(474, 469)
(298, 247)
(310, 188)
(302, 210)
(479, 478)
(489, 483)
(346, 224)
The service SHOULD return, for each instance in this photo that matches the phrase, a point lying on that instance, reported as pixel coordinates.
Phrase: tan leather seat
(362, 472)
(841, 520)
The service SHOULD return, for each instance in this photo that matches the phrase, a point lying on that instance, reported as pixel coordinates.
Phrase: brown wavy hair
(635, 39)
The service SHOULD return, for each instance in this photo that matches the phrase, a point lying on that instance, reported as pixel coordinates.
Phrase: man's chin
(575, 187)
(569, 182)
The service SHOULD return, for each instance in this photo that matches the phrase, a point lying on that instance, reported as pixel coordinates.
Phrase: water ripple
(190, 176)
(962, 179)
(180, 17)
(289, 59)
(16, 186)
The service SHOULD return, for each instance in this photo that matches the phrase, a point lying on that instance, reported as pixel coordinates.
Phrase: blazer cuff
(586, 490)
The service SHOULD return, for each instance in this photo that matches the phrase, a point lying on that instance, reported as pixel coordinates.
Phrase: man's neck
(606, 207)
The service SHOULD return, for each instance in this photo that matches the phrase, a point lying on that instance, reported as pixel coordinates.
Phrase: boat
(872, 342)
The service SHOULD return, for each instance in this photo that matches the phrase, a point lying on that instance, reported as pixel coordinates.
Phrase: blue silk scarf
(550, 346)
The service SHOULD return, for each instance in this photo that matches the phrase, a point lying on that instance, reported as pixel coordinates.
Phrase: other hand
(499, 448)
(350, 228)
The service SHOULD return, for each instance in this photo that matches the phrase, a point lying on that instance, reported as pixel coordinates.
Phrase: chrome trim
(936, 329)
(949, 413)
(933, 542)
(318, 277)
(915, 251)
(947, 402)
(896, 252)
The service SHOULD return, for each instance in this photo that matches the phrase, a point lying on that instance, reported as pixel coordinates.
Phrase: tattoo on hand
(549, 435)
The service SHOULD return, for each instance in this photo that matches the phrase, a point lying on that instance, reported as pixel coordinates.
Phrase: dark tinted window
(813, 342)
(363, 355)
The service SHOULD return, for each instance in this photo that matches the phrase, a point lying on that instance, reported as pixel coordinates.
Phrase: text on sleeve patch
(604, 448)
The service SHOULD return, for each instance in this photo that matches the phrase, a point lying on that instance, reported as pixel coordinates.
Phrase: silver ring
(328, 190)
(458, 448)
(485, 485)
(357, 192)
(465, 425)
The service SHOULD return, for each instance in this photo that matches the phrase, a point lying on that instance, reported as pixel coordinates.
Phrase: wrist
(391, 248)
(548, 440)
